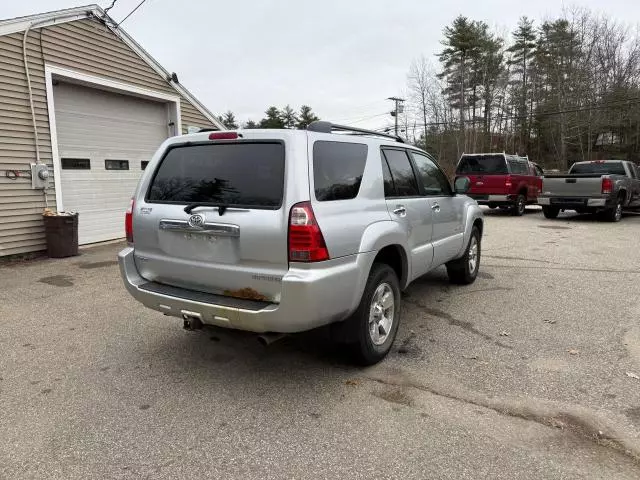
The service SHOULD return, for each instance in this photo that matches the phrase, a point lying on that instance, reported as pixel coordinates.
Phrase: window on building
(75, 163)
(116, 164)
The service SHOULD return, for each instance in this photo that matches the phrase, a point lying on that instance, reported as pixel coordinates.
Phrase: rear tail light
(607, 185)
(128, 221)
(507, 182)
(306, 243)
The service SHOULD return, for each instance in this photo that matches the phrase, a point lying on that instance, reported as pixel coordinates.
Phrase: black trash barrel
(61, 233)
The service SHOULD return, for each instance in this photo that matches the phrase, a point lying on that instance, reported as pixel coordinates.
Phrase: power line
(357, 112)
(365, 118)
(130, 13)
(106, 10)
(538, 114)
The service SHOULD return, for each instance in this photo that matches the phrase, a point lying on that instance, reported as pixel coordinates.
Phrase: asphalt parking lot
(528, 373)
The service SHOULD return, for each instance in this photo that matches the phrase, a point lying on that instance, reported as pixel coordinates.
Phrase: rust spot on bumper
(247, 294)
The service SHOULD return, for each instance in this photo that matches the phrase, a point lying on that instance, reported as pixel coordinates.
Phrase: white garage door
(103, 140)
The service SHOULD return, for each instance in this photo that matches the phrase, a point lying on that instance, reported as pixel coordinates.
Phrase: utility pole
(399, 108)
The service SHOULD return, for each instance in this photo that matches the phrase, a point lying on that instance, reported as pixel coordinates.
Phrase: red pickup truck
(501, 180)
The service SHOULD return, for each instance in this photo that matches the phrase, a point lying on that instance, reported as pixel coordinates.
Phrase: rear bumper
(312, 296)
(571, 203)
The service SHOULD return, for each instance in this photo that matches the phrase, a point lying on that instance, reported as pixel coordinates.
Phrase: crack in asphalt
(507, 257)
(583, 421)
(567, 269)
(464, 324)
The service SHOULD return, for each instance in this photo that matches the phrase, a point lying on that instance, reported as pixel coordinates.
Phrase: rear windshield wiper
(221, 207)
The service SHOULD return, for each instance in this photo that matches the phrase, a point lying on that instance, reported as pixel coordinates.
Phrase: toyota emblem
(196, 220)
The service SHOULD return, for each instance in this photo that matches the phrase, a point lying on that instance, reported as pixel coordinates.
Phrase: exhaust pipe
(192, 323)
(267, 339)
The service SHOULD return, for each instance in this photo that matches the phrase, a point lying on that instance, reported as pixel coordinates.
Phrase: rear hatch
(211, 218)
(488, 173)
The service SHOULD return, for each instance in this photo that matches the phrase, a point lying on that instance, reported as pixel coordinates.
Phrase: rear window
(612, 168)
(338, 169)
(485, 164)
(243, 174)
(519, 167)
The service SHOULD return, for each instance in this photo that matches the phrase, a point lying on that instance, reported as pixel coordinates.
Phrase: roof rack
(328, 127)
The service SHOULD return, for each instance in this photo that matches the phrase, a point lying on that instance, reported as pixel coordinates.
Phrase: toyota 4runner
(285, 230)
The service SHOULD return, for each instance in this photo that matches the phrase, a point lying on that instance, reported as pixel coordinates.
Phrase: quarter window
(404, 178)
(434, 182)
(338, 169)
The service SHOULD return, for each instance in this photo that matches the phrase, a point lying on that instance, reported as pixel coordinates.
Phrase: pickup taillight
(507, 182)
(607, 185)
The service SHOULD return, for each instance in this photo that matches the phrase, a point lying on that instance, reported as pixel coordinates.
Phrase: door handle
(400, 210)
(435, 207)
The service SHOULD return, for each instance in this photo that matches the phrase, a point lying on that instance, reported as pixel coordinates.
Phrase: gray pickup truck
(606, 187)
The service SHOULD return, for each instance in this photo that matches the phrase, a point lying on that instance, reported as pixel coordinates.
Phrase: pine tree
(273, 119)
(522, 53)
(558, 61)
(229, 120)
(289, 117)
(306, 117)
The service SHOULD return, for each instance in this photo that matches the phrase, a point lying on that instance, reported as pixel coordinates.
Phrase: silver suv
(283, 231)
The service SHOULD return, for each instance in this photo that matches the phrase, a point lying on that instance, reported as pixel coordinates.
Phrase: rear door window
(338, 169)
(434, 182)
(242, 174)
(404, 178)
(483, 164)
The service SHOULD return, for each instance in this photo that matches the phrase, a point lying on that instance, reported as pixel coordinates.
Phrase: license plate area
(569, 201)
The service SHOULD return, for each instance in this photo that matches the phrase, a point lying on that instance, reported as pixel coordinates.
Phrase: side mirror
(462, 185)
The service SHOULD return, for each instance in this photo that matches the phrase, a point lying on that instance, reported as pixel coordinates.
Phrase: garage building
(90, 104)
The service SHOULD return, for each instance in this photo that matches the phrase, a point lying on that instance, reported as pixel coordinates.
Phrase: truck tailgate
(572, 186)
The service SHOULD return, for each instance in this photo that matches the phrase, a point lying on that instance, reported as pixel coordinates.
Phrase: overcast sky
(343, 58)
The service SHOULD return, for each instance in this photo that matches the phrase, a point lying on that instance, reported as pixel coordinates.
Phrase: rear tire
(550, 212)
(519, 206)
(614, 214)
(464, 270)
(374, 324)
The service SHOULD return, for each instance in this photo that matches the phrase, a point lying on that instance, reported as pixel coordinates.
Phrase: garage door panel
(139, 138)
(98, 126)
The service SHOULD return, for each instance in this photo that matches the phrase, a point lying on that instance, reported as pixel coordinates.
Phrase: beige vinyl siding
(85, 46)
(21, 228)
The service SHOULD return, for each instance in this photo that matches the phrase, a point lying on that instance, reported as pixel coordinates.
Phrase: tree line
(285, 117)
(560, 90)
